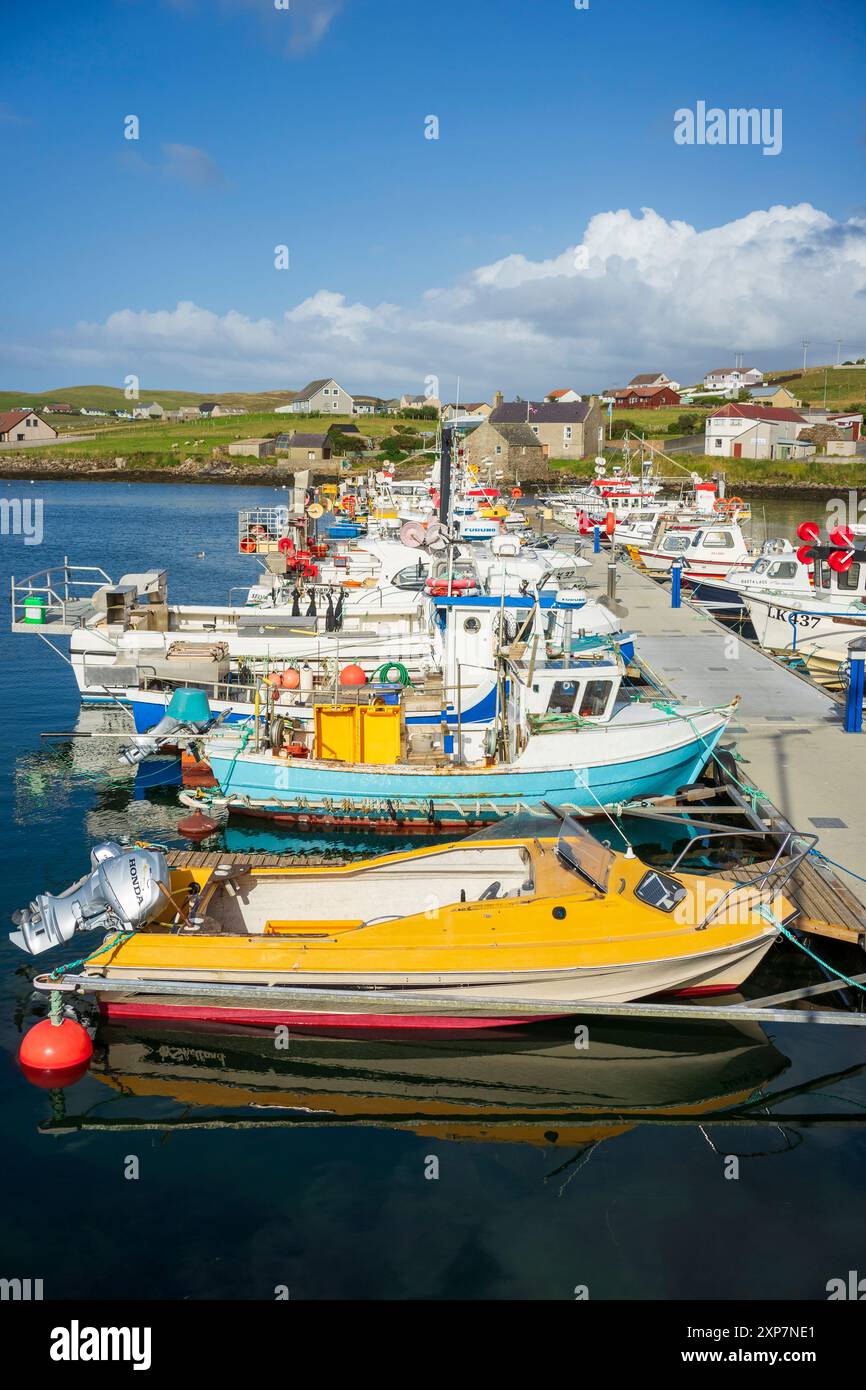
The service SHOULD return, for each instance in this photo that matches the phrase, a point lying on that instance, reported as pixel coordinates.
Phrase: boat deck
(788, 735)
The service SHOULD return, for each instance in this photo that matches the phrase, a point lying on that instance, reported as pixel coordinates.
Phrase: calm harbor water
(312, 1169)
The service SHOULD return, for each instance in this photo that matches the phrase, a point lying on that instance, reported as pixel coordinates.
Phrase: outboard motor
(187, 712)
(122, 892)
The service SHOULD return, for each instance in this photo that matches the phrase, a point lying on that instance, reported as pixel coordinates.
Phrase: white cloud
(192, 165)
(651, 293)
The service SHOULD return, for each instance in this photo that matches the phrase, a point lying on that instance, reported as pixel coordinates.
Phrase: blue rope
(827, 860)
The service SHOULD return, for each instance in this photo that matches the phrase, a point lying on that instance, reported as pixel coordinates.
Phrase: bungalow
(210, 410)
(778, 396)
(509, 448)
(562, 397)
(25, 427)
(418, 402)
(733, 379)
(654, 379)
(570, 430)
(644, 397)
(369, 405)
(321, 397)
(756, 432)
(58, 410)
(473, 410)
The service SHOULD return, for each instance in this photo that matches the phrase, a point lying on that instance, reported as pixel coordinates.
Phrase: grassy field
(112, 398)
(845, 385)
(161, 444)
(653, 423)
(744, 473)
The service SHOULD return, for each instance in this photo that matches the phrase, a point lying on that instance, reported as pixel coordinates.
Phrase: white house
(323, 397)
(756, 432)
(730, 380)
(563, 397)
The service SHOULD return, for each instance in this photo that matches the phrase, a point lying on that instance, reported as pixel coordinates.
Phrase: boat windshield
(580, 852)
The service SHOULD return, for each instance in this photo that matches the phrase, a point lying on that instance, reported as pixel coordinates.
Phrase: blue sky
(305, 127)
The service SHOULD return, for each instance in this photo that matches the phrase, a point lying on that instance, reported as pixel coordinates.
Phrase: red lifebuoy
(610, 523)
(311, 571)
(248, 545)
(286, 545)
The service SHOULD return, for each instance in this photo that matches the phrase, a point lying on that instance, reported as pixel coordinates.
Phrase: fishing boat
(778, 570)
(463, 935)
(562, 729)
(710, 551)
(820, 624)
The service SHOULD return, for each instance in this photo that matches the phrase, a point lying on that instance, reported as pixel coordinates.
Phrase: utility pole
(804, 345)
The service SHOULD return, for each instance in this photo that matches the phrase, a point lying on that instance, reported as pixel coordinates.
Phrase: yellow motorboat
(483, 932)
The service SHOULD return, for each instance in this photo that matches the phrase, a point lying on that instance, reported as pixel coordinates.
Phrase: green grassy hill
(150, 443)
(112, 398)
(846, 386)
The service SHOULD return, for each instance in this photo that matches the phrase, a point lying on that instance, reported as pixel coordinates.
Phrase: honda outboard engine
(122, 892)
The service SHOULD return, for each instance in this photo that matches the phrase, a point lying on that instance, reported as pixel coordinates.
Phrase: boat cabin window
(822, 575)
(759, 566)
(676, 543)
(584, 855)
(784, 569)
(595, 698)
(563, 695)
(716, 540)
(413, 577)
(849, 579)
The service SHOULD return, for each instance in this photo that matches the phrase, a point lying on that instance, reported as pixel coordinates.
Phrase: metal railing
(769, 882)
(60, 593)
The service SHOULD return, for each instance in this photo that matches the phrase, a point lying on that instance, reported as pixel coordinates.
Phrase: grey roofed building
(312, 388)
(300, 440)
(540, 413)
(650, 379)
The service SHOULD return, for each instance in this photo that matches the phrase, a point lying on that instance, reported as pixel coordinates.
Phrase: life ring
(439, 587)
(384, 674)
(610, 523)
(249, 545)
(311, 571)
(286, 545)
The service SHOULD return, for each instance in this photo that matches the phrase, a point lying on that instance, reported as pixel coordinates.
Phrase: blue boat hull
(314, 791)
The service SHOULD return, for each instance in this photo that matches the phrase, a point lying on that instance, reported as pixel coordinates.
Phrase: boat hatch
(660, 891)
(586, 856)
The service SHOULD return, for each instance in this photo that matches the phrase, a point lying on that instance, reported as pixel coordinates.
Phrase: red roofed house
(566, 397)
(756, 432)
(645, 397)
(25, 427)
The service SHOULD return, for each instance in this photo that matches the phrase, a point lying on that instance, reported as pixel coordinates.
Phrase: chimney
(498, 398)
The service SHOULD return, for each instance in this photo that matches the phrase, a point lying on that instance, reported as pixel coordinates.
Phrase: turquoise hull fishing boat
(640, 751)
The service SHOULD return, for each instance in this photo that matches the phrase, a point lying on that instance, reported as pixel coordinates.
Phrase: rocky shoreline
(209, 472)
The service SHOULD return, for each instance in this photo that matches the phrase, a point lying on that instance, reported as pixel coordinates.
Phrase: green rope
(769, 916)
(60, 970)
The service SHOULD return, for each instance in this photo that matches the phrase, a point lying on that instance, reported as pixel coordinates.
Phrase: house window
(566, 434)
(326, 390)
(718, 444)
(335, 392)
(498, 449)
(534, 429)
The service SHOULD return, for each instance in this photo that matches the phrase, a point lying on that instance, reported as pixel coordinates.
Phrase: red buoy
(808, 531)
(352, 675)
(196, 826)
(610, 523)
(55, 1054)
